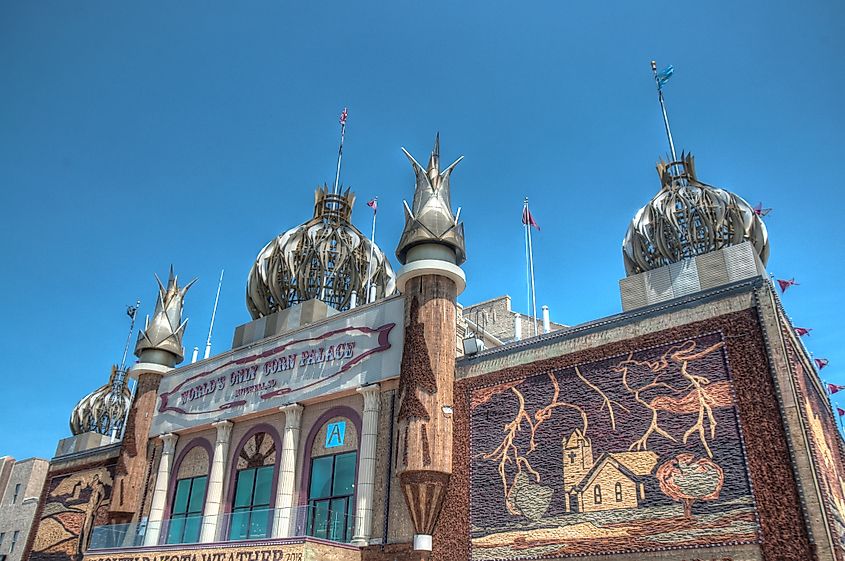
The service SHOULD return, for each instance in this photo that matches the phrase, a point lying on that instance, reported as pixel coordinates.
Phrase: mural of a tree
(508, 453)
(686, 480)
(697, 395)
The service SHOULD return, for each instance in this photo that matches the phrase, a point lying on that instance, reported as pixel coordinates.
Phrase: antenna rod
(213, 313)
(131, 311)
(660, 81)
(343, 116)
(374, 205)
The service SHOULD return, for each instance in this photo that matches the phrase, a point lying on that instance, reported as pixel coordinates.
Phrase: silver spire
(161, 339)
(430, 218)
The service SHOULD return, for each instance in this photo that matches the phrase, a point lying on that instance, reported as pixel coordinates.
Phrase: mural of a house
(615, 481)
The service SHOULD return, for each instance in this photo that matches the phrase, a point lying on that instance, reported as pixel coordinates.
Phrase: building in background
(362, 414)
(20, 488)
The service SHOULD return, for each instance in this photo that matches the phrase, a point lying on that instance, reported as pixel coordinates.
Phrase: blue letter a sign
(335, 434)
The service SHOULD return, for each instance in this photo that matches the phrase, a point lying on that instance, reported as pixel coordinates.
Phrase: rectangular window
(17, 492)
(250, 518)
(186, 513)
(2, 535)
(14, 541)
(330, 497)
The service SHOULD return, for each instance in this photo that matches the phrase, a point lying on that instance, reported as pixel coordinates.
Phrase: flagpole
(663, 109)
(531, 266)
(131, 311)
(340, 151)
(372, 245)
(526, 226)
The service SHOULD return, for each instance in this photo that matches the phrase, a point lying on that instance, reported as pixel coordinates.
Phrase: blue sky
(136, 135)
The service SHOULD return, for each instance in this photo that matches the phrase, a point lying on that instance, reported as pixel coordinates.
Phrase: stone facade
(671, 433)
(19, 495)
(495, 317)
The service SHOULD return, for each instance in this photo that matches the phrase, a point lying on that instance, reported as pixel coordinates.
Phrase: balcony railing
(257, 524)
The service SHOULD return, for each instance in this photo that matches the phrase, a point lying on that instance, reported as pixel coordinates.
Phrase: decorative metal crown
(430, 219)
(103, 410)
(326, 258)
(688, 218)
(166, 329)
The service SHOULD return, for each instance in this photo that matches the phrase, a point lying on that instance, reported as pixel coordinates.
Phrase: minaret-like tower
(430, 250)
(159, 349)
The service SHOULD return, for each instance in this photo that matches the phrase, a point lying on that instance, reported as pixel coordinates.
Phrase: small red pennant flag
(840, 411)
(801, 331)
(373, 205)
(821, 362)
(784, 284)
(760, 211)
(527, 219)
(833, 388)
(343, 116)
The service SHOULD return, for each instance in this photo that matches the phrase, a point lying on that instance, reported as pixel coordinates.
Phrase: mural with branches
(635, 450)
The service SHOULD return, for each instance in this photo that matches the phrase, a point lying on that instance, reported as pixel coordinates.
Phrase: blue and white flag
(664, 75)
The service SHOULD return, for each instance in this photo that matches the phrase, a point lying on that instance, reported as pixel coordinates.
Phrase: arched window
(188, 495)
(331, 485)
(618, 492)
(251, 506)
(597, 494)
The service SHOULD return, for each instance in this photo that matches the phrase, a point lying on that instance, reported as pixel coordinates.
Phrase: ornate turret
(326, 258)
(430, 219)
(689, 218)
(159, 349)
(431, 248)
(160, 341)
(104, 410)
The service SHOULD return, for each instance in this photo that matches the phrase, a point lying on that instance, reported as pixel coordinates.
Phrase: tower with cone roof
(431, 251)
(159, 349)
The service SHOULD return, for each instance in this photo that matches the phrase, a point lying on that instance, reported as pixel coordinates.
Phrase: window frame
(597, 494)
(314, 503)
(618, 491)
(188, 513)
(252, 508)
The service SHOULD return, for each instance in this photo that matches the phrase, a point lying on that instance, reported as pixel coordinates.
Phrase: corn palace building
(347, 422)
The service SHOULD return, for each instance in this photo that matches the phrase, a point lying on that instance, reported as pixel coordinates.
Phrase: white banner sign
(334, 356)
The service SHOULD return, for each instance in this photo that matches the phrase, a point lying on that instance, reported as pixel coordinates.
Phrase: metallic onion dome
(326, 258)
(688, 218)
(103, 410)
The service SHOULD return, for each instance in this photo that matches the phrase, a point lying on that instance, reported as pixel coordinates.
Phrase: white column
(367, 465)
(214, 494)
(287, 471)
(156, 518)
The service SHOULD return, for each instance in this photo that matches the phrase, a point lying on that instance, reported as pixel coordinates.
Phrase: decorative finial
(430, 219)
(164, 332)
(343, 116)
(660, 79)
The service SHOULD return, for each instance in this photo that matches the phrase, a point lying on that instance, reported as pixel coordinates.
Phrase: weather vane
(660, 78)
(131, 311)
(343, 117)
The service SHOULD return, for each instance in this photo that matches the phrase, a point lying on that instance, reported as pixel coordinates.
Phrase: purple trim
(233, 470)
(339, 411)
(171, 484)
